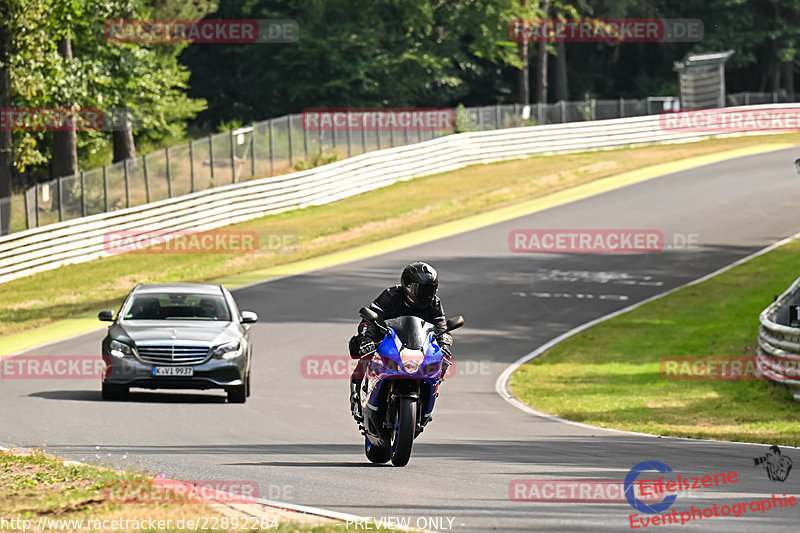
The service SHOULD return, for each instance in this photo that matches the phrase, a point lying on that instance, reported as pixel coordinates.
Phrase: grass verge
(34, 301)
(55, 496)
(609, 375)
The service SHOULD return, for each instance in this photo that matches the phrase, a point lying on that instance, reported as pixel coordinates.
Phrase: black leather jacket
(392, 303)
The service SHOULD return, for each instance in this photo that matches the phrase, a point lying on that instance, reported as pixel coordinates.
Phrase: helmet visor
(423, 292)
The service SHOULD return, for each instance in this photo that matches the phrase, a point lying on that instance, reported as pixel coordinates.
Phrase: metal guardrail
(73, 241)
(778, 352)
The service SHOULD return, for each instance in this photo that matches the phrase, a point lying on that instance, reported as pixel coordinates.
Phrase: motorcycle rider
(415, 296)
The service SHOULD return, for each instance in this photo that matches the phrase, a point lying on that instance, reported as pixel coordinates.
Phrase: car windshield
(177, 306)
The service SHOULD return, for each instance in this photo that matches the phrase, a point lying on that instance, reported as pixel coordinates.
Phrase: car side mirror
(106, 316)
(249, 317)
(368, 314)
(455, 323)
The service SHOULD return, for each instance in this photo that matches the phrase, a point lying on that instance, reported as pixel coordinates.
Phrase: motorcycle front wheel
(403, 434)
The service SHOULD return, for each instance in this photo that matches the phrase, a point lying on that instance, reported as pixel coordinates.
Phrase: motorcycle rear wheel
(376, 454)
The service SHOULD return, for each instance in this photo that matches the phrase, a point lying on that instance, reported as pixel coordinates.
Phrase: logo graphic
(778, 466)
(636, 503)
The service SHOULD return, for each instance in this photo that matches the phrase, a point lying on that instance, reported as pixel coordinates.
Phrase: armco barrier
(778, 343)
(73, 241)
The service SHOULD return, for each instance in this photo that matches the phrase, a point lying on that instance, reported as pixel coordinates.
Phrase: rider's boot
(355, 401)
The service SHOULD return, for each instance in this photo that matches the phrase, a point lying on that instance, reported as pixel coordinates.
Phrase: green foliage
(318, 159)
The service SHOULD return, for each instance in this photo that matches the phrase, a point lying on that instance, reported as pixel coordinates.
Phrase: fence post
(480, 117)
(593, 108)
(271, 150)
(305, 142)
(83, 193)
(60, 201)
(27, 211)
(169, 174)
(105, 188)
(497, 120)
(289, 122)
(253, 151)
(621, 108)
(563, 111)
(747, 98)
(349, 137)
(211, 158)
(363, 135)
(36, 205)
(127, 184)
(191, 165)
(233, 158)
(774, 97)
(378, 135)
(146, 178)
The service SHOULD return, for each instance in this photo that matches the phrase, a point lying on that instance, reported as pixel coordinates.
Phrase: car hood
(206, 332)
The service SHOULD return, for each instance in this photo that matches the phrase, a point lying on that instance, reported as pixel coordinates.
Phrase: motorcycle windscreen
(412, 331)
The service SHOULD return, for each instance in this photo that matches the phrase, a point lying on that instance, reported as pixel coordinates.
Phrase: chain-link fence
(279, 146)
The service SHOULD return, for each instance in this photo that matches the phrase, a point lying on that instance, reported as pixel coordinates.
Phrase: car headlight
(120, 349)
(229, 350)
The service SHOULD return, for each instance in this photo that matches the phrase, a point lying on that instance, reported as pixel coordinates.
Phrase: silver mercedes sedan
(178, 336)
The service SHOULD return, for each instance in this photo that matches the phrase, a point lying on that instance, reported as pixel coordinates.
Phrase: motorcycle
(400, 385)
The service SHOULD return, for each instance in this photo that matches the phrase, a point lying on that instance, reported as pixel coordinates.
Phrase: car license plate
(173, 371)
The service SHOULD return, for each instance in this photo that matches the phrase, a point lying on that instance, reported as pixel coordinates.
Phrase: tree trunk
(6, 147)
(524, 74)
(541, 63)
(124, 147)
(787, 76)
(561, 72)
(65, 145)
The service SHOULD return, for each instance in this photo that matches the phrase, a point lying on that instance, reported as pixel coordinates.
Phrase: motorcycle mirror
(368, 314)
(455, 323)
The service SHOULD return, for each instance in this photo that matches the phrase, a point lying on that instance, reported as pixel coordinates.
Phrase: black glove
(446, 352)
(367, 346)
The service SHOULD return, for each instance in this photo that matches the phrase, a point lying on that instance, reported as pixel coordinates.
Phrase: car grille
(172, 354)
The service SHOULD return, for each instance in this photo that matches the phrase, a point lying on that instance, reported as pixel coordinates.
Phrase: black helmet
(419, 282)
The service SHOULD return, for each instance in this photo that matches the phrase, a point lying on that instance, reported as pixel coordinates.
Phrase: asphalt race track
(295, 437)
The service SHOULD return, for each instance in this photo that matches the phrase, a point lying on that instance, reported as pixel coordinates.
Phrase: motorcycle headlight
(229, 350)
(120, 349)
(412, 359)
